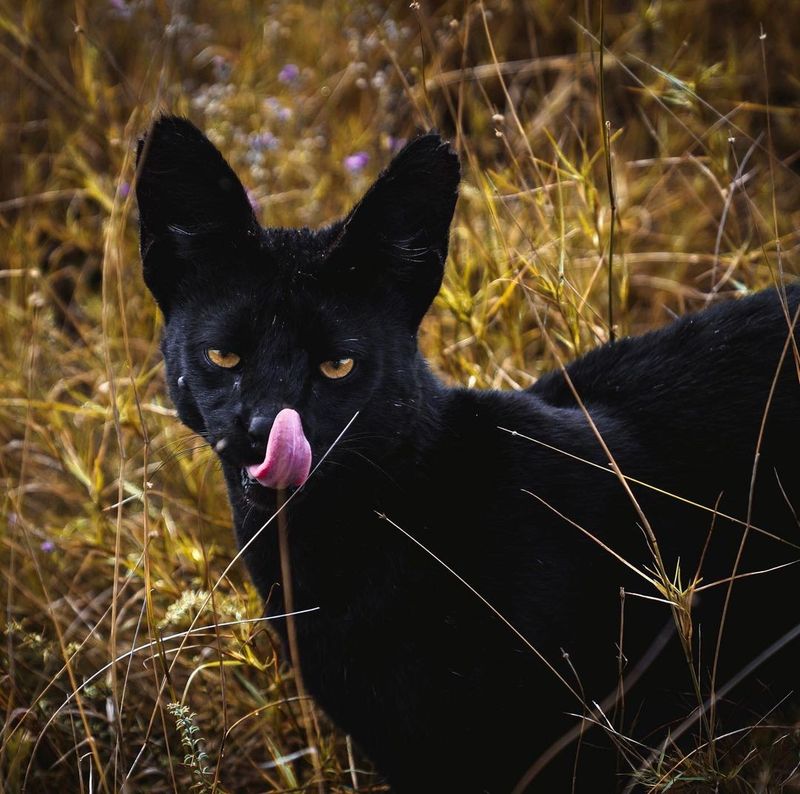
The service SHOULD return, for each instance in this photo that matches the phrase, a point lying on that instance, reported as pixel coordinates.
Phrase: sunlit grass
(115, 523)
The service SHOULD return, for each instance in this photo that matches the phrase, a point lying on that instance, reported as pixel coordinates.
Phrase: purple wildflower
(356, 162)
(254, 202)
(273, 105)
(124, 189)
(263, 140)
(120, 8)
(47, 546)
(289, 73)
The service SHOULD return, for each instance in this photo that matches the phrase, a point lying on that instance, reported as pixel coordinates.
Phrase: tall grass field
(624, 162)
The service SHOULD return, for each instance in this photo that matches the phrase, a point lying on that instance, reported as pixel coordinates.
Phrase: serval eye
(337, 368)
(221, 359)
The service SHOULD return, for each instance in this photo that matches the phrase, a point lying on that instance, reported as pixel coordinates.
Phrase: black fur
(440, 693)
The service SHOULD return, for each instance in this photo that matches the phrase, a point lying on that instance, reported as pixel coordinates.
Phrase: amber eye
(224, 360)
(337, 368)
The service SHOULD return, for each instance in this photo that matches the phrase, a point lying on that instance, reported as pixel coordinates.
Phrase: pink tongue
(288, 458)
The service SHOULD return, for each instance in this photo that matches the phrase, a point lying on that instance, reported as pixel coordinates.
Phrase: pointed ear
(189, 202)
(397, 235)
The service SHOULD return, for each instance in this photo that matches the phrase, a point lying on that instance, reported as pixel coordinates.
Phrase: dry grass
(115, 523)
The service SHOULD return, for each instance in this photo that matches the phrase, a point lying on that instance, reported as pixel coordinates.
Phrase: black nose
(258, 429)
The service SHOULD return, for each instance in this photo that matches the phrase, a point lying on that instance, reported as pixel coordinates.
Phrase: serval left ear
(399, 231)
(189, 200)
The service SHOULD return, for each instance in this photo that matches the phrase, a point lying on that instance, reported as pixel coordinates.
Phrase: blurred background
(602, 196)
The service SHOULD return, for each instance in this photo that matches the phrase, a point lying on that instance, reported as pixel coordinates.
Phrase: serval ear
(398, 233)
(189, 201)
